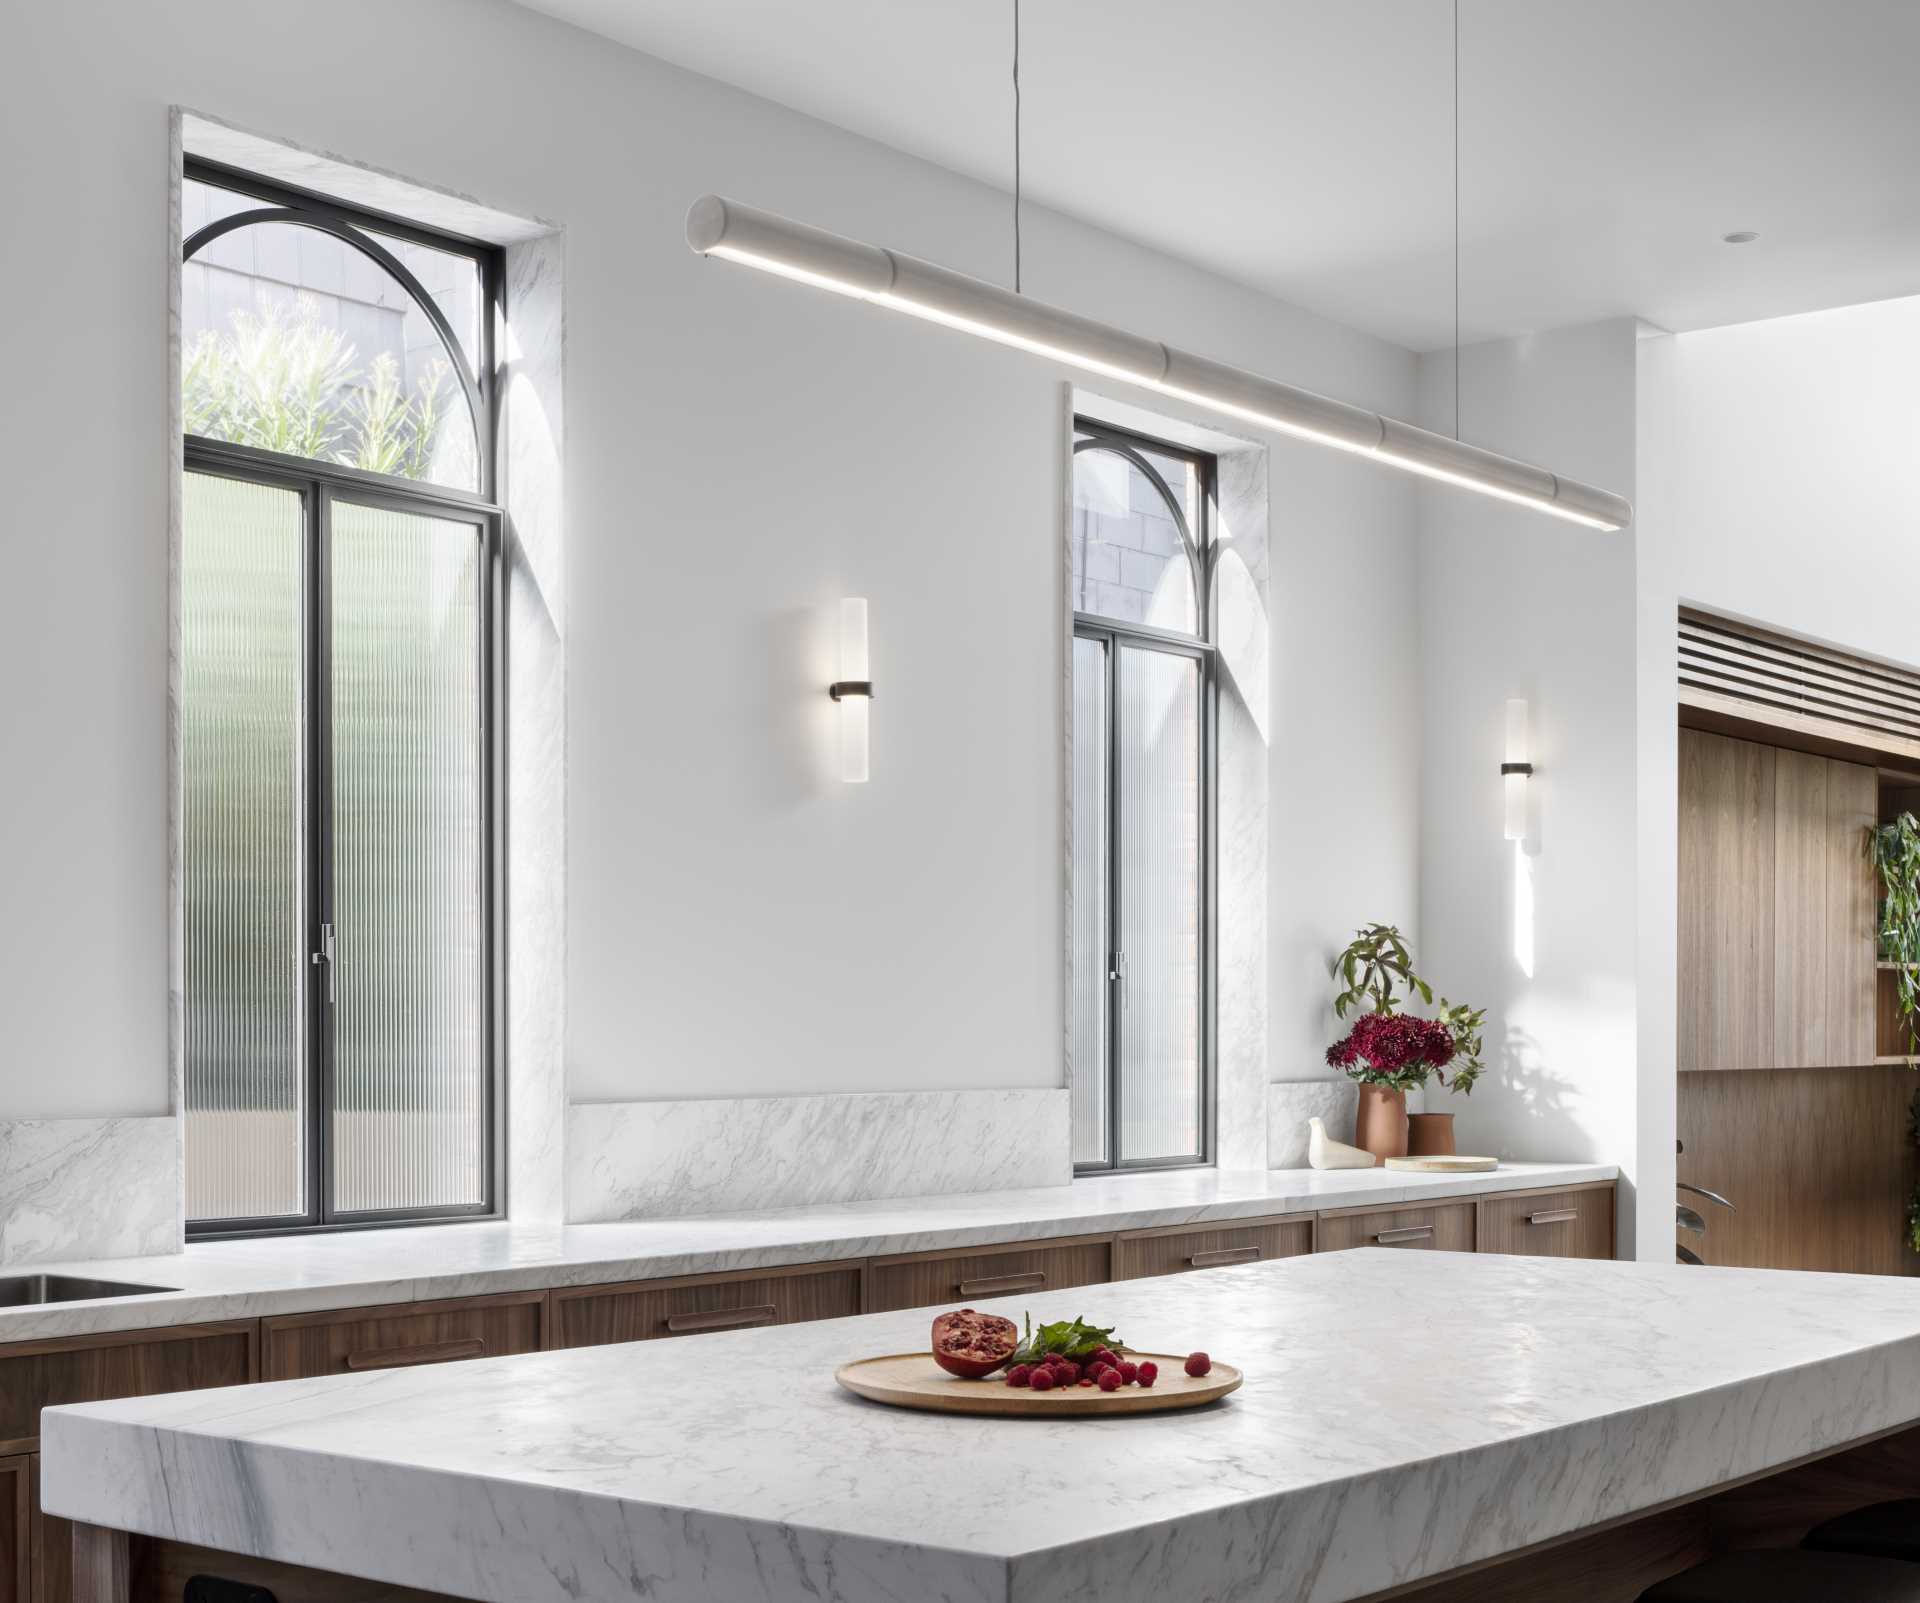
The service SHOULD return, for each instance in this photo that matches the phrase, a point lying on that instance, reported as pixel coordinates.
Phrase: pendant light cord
(1456, 219)
(1016, 146)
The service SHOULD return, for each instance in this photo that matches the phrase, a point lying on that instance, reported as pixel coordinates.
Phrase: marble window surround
(531, 380)
(88, 1188)
(666, 1160)
(1242, 673)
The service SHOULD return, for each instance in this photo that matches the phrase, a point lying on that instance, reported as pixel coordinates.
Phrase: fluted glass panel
(244, 951)
(1157, 768)
(1088, 1042)
(409, 1102)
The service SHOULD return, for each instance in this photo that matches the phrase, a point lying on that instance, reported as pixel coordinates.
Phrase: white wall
(741, 454)
(1516, 604)
(1779, 482)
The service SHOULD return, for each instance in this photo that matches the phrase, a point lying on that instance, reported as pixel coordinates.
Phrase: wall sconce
(1516, 770)
(853, 690)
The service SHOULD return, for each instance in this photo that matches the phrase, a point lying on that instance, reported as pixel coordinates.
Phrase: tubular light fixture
(724, 228)
(1516, 770)
(853, 690)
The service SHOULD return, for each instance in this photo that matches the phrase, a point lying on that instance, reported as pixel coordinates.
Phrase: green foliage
(1895, 852)
(1466, 1026)
(1074, 1338)
(1376, 957)
(282, 382)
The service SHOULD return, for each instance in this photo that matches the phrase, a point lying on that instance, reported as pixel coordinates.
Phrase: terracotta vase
(1430, 1135)
(1380, 1123)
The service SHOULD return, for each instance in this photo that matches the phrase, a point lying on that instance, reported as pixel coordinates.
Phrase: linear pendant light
(737, 233)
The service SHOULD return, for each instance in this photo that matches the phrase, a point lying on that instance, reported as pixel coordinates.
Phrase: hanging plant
(1895, 851)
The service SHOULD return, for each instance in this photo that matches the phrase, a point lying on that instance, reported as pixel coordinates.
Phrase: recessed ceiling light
(1744, 236)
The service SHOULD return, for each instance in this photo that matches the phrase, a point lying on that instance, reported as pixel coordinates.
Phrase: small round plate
(1444, 1165)
(914, 1380)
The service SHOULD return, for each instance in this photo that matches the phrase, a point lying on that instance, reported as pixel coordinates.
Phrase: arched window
(1140, 795)
(340, 551)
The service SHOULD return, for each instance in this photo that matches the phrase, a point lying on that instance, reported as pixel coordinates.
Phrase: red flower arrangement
(1393, 1049)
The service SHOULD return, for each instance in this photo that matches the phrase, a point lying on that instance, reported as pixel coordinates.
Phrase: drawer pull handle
(1553, 1216)
(998, 1283)
(432, 1352)
(1388, 1238)
(727, 1319)
(1207, 1260)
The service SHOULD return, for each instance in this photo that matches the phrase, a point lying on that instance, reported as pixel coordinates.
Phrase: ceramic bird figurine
(1323, 1152)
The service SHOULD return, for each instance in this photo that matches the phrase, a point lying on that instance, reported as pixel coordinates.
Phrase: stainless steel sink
(18, 1291)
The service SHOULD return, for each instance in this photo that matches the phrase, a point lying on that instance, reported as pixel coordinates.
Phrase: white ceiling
(1304, 147)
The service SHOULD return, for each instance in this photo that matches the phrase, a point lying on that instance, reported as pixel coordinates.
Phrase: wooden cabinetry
(1180, 1249)
(641, 1310)
(1431, 1227)
(926, 1279)
(1776, 914)
(401, 1334)
(16, 1529)
(1574, 1223)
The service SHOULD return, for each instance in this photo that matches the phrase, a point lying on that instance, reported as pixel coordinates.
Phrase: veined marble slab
(657, 1160)
(1573, 1393)
(88, 1188)
(248, 1279)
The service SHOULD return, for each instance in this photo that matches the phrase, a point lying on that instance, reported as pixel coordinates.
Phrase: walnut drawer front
(641, 1310)
(929, 1279)
(1177, 1250)
(352, 1339)
(139, 1363)
(1432, 1227)
(1576, 1223)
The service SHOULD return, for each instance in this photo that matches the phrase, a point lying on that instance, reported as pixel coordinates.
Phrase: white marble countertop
(302, 1274)
(1403, 1414)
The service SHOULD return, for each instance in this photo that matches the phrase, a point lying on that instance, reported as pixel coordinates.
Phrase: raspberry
(1020, 1375)
(1106, 1355)
(1198, 1364)
(1041, 1379)
(1129, 1373)
(1109, 1378)
(1148, 1373)
(1067, 1371)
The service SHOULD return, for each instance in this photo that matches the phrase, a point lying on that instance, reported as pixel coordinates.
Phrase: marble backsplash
(1290, 1103)
(658, 1160)
(88, 1188)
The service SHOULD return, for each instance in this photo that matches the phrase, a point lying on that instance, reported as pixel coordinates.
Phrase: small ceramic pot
(1430, 1135)
(1380, 1122)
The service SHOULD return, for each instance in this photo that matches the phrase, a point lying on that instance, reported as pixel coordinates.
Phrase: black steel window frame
(1118, 635)
(320, 486)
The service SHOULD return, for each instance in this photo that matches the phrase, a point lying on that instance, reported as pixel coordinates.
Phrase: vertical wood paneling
(1800, 952)
(1726, 922)
(1852, 915)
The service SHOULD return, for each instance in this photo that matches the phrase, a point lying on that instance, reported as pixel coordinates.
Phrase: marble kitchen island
(1419, 1424)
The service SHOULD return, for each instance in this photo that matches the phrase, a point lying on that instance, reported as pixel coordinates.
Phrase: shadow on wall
(1546, 1126)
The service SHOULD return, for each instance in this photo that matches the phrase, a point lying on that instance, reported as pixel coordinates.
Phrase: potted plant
(1390, 1053)
(1895, 852)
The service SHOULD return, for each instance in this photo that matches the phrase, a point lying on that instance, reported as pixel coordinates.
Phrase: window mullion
(1116, 990)
(320, 1079)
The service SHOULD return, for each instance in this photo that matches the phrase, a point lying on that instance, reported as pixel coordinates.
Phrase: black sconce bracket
(850, 687)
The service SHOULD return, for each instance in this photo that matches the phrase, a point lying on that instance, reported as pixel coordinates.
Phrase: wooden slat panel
(1853, 802)
(1726, 914)
(1800, 861)
(51, 1544)
(1429, 1227)
(1817, 1162)
(1536, 1224)
(102, 1568)
(1174, 1251)
(643, 1310)
(941, 1279)
(86, 1369)
(346, 1340)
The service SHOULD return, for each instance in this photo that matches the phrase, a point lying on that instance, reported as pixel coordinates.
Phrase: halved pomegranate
(973, 1345)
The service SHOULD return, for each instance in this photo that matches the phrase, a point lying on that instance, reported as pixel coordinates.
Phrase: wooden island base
(1605, 1564)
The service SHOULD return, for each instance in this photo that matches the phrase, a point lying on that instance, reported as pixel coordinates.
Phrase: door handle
(727, 1319)
(999, 1283)
(1390, 1238)
(325, 956)
(432, 1352)
(1553, 1216)
(1207, 1260)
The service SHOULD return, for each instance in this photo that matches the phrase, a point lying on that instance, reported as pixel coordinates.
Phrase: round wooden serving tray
(914, 1380)
(1444, 1165)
